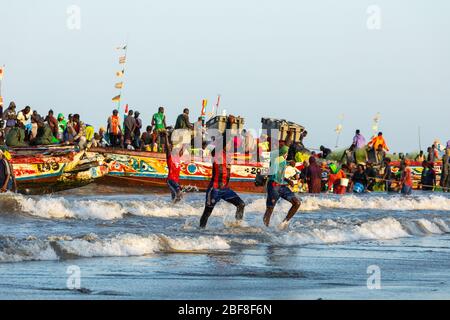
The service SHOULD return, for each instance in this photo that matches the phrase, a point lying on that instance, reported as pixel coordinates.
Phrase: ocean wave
(89, 246)
(352, 202)
(110, 209)
(331, 232)
(301, 232)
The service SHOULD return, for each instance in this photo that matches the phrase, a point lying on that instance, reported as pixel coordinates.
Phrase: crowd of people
(319, 174)
(27, 127)
(363, 167)
(366, 167)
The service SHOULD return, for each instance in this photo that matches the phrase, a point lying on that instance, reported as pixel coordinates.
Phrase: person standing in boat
(159, 127)
(358, 140)
(174, 152)
(137, 130)
(10, 117)
(114, 130)
(219, 185)
(420, 157)
(183, 121)
(277, 187)
(130, 126)
(376, 144)
(62, 126)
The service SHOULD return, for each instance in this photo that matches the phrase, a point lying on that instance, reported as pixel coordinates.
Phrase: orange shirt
(378, 141)
(114, 125)
(334, 181)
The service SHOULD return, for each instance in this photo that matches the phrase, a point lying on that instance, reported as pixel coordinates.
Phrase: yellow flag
(122, 60)
(119, 85)
(116, 98)
(120, 74)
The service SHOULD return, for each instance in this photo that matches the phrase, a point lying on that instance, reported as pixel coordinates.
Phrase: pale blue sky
(309, 61)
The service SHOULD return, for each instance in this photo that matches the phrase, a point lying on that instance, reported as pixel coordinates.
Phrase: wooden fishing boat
(49, 169)
(135, 168)
(149, 169)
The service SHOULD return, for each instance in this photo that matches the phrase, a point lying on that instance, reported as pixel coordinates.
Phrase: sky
(306, 61)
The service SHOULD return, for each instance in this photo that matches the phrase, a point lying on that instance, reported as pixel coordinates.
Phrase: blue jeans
(406, 190)
(174, 187)
(213, 196)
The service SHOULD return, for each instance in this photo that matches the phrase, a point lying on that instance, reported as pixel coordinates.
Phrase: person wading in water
(173, 156)
(277, 187)
(218, 187)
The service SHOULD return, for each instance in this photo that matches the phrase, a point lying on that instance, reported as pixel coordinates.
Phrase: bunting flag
(2, 72)
(122, 60)
(1, 100)
(120, 74)
(119, 85)
(204, 104)
(218, 101)
(116, 98)
(122, 48)
(211, 114)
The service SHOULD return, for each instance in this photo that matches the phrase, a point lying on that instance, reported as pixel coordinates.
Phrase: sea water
(109, 243)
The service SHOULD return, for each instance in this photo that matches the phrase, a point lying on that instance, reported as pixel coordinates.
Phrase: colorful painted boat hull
(150, 169)
(128, 168)
(47, 170)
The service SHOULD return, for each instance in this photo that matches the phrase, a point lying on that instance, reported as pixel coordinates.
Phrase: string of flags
(2, 72)
(120, 74)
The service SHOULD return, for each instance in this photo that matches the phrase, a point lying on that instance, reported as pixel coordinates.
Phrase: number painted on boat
(48, 166)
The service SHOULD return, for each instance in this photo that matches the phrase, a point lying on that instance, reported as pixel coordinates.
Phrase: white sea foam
(110, 209)
(328, 231)
(383, 229)
(118, 246)
(352, 202)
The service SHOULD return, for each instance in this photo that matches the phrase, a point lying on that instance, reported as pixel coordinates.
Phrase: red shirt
(407, 177)
(220, 172)
(174, 166)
